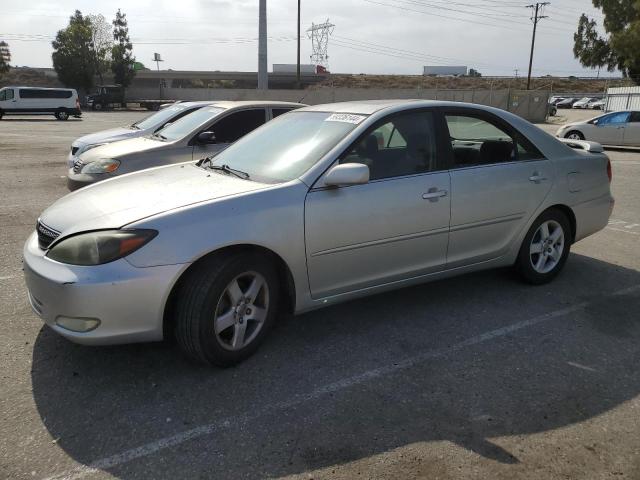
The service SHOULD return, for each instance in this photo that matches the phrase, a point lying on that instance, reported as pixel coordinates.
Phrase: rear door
(632, 130)
(391, 228)
(498, 180)
(230, 128)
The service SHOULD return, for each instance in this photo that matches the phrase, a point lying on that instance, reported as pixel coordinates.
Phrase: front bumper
(128, 301)
(79, 180)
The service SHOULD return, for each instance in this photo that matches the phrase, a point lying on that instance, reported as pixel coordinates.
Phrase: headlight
(96, 248)
(86, 148)
(104, 165)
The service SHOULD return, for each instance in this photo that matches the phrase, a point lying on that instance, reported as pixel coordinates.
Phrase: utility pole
(263, 78)
(298, 61)
(158, 59)
(536, 16)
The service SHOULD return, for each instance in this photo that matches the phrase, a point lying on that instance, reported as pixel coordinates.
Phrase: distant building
(444, 70)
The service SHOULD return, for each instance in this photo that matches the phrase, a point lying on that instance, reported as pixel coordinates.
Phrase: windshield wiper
(159, 135)
(206, 163)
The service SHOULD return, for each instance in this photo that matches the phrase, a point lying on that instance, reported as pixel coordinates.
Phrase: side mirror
(595, 122)
(347, 174)
(206, 137)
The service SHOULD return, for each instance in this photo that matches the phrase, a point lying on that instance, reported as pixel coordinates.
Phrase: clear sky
(370, 36)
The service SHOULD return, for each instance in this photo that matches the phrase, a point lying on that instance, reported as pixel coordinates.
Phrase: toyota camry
(324, 204)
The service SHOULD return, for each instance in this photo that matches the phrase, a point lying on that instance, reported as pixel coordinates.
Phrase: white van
(61, 102)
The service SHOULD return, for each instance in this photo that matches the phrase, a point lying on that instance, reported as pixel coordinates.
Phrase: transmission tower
(319, 35)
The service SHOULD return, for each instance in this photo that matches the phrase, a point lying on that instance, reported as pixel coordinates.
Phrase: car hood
(122, 148)
(111, 135)
(122, 200)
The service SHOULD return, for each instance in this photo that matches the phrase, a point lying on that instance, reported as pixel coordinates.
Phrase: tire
(1, 114)
(204, 301)
(529, 264)
(97, 106)
(62, 115)
(574, 135)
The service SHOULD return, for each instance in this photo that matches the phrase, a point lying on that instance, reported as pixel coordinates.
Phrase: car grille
(46, 235)
(77, 165)
(74, 150)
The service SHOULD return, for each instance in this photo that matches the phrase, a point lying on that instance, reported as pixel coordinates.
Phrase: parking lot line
(207, 429)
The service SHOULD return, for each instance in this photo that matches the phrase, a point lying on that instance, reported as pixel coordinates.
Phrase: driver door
(394, 227)
(610, 129)
(228, 129)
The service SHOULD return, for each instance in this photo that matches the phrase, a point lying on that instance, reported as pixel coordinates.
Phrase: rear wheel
(62, 115)
(574, 135)
(225, 308)
(97, 106)
(545, 248)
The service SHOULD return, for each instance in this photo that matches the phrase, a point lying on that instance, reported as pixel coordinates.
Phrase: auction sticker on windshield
(345, 117)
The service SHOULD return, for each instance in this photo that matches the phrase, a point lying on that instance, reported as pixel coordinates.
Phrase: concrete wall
(531, 105)
(623, 98)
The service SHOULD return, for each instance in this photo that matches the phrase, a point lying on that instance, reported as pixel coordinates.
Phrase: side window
(3, 95)
(8, 94)
(238, 124)
(476, 141)
(634, 117)
(403, 145)
(276, 112)
(614, 118)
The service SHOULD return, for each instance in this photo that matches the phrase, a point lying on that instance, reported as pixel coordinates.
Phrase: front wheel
(574, 135)
(545, 248)
(62, 115)
(225, 307)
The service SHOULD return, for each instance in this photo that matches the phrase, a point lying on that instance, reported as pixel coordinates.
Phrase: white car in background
(616, 128)
(583, 102)
(147, 126)
(597, 104)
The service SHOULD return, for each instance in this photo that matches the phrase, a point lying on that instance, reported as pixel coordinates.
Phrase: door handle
(433, 194)
(536, 178)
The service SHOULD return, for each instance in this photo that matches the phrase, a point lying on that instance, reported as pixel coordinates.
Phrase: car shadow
(334, 385)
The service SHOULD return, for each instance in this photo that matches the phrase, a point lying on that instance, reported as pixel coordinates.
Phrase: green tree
(122, 59)
(5, 58)
(620, 47)
(72, 53)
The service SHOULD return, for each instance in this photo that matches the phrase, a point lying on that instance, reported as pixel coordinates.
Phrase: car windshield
(288, 146)
(156, 119)
(189, 123)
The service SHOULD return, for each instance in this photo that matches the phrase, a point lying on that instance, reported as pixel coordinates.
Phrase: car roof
(242, 103)
(368, 107)
(38, 88)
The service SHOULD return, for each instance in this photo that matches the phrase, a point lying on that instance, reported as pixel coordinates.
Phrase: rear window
(42, 93)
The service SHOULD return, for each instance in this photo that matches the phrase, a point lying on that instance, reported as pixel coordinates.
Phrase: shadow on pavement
(101, 401)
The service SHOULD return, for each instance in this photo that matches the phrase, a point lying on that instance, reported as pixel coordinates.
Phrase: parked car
(583, 102)
(201, 133)
(108, 96)
(553, 110)
(566, 103)
(555, 100)
(616, 128)
(597, 104)
(59, 102)
(307, 211)
(147, 126)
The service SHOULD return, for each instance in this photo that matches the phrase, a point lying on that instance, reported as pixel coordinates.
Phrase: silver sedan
(615, 128)
(322, 205)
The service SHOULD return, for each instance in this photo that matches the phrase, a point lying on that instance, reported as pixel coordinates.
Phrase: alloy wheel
(547, 246)
(241, 311)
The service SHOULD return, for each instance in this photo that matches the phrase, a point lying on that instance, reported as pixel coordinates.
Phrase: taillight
(609, 170)
(78, 104)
